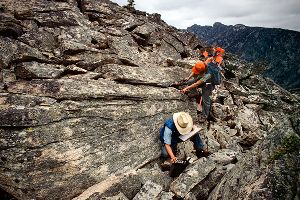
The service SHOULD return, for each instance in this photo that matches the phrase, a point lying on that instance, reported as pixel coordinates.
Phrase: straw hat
(183, 122)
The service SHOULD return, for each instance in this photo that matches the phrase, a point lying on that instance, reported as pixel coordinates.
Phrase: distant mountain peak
(217, 24)
(259, 44)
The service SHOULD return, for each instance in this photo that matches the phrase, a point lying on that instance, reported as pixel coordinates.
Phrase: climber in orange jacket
(206, 75)
(218, 55)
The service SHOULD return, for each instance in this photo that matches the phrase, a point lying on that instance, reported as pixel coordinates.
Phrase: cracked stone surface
(85, 87)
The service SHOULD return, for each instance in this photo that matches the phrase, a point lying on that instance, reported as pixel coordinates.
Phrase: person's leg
(206, 100)
(199, 104)
(199, 147)
(198, 143)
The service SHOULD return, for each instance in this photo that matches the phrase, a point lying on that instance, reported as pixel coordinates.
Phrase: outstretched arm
(204, 79)
(183, 80)
(189, 77)
(194, 85)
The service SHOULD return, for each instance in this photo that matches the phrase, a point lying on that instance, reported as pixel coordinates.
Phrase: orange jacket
(219, 51)
(218, 59)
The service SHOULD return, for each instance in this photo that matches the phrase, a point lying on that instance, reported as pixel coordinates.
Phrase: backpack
(215, 72)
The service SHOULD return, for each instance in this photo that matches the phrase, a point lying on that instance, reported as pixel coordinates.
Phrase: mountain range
(86, 85)
(278, 48)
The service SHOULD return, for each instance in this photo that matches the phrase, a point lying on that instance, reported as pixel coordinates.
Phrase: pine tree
(131, 3)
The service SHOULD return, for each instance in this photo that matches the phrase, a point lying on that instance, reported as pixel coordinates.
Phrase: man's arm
(170, 152)
(189, 77)
(167, 142)
(199, 82)
(183, 80)
(194, 85)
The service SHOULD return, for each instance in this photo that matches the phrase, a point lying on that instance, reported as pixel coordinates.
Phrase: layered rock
(83, 93)
(85, 89)
(269, 171)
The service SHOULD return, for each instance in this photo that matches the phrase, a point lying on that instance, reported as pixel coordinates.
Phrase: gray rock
(155, 175)
(248, 118)
(44, 39)
(144, 30)
(31, 70)
(85, 88)
(259, 174)
(213, 145)
(224, 156)
(202, 190)
(148, 191)
(127, 49)
(7, 54)
(194, 174)
(125, 185)
(8, 76)
(120, 196)
(185, 149)
(142, 75)
(250, 138)
(235, 88)
(166, 195)
(91, 89)
(221, 112)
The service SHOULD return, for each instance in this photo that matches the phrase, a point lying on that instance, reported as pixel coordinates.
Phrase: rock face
(85, 88)
(278, 48)
(269, 171)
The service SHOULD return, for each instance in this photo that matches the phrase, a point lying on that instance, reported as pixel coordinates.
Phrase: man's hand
(178, 83)
(184, 90)
(173, 160)
(186, 79)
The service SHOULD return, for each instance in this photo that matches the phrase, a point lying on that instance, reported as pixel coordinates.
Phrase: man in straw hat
(180, 124)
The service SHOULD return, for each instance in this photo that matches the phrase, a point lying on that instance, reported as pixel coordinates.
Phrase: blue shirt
(205, 78)
(167, 135)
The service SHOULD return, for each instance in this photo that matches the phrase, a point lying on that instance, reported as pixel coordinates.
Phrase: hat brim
(186, 130)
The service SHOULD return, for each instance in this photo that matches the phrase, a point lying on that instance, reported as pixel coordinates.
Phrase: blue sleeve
(205, 77)
(192, 81)
(167, 135)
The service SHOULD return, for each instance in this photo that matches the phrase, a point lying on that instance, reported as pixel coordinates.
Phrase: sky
(263, 13)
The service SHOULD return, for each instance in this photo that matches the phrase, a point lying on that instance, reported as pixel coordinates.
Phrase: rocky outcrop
(269, 171)
(85, 88)
(277, 48)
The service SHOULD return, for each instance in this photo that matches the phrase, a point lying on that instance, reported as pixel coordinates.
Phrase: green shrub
(290, 144)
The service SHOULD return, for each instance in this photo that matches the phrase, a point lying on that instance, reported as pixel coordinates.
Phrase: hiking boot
(202, 153)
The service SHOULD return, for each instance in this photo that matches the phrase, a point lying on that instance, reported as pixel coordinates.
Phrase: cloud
(267, 13)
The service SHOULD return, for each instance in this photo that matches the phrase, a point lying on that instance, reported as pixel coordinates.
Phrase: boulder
(249, 119)
(194, 174)
(259, 174)
(149, 191)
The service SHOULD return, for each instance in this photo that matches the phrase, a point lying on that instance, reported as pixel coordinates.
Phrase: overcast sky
(264, 13)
